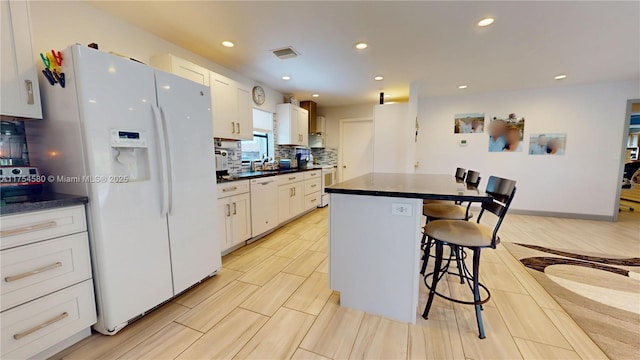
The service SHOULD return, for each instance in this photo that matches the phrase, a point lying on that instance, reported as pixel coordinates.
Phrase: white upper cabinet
(231, 105)
(232, 109)
(20, 95)
(182, 68)
(293, 125)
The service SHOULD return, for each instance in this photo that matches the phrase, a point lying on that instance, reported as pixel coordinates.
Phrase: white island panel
(374, 254)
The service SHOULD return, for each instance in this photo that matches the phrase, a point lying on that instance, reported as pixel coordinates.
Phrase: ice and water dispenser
(130, 155)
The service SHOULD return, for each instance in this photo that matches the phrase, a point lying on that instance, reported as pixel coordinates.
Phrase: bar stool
(472, 236)
(448, 211)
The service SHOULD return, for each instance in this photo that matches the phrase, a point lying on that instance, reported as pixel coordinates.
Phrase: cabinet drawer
(233, 188)
(31, 271)
(312, 200)
(311, 186)
(312, 174)
(290, 178)
(35, 226)
(35, 326)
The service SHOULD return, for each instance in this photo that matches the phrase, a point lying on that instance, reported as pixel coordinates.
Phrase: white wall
(391, 137)
(584, 181)
(334, 114)
(58, 24)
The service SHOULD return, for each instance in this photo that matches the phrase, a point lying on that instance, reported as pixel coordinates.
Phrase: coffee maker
(302, 157)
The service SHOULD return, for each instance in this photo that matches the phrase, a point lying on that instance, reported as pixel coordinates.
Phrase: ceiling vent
(285, 53)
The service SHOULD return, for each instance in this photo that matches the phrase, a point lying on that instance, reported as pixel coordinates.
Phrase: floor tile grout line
(541, 343)
(190, 345)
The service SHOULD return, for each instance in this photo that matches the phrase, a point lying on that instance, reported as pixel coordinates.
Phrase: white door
(356, 146)
(186, 110)
(240, 218)
(128, 229)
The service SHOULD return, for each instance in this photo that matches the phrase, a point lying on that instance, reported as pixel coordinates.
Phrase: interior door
(241, 218)
(186, 110)
(128, 230)
(357, 149)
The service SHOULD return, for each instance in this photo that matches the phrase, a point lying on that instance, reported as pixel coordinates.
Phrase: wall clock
(258, 95)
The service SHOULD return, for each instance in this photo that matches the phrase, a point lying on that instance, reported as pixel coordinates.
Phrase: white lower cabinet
(312, 189)
(290, 197)
(234, 213)
(47, 288)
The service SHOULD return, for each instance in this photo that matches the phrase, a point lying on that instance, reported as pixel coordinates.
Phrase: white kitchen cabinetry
(181, 67)
(234, 213)
(290, 196)
(312, 189)
(293, 125)
(232, 109)
(20, 95)
(47, 288)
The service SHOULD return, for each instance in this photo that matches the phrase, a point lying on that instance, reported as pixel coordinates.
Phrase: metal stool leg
(476, 291)
(459, 259)
(436, 277)
(425, 256)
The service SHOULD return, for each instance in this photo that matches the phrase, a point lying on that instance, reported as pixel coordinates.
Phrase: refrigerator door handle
(164, 119)
(163, 160)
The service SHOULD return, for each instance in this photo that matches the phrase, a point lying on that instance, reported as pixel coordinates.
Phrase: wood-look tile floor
(271, 301)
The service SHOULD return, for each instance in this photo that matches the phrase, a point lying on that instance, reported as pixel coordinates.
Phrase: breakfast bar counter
(374, 238)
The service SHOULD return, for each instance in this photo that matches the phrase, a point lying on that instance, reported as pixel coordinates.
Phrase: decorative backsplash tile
(326, 156)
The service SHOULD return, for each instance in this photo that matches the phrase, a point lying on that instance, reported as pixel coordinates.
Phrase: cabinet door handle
(33, 272)
(29, 85)
(314, 185)
(294, 191)
(19, 336)
(228, 210)
(292, 178)
(234, 209)
(290, 192)
(233, 127)
(230, 189)
(238, 128)
(30, 228)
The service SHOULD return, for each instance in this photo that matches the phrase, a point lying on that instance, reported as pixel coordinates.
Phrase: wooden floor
(271, 301)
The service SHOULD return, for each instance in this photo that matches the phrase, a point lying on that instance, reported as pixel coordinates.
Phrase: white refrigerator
(139, 143)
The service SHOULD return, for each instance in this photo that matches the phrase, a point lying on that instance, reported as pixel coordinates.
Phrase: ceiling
(436, 44)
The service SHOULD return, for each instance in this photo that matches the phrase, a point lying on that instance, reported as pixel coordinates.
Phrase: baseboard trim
(556, 214)
(562, 215)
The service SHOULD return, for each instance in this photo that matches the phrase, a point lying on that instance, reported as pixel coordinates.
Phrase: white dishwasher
(264, 205)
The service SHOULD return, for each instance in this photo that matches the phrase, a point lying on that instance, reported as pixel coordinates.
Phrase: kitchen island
(374, 238)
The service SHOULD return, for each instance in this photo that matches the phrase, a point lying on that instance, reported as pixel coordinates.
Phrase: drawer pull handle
(19, 336)
(292, 178)
(314, 185)
(30, 228)
(33, 272)
(230, 189)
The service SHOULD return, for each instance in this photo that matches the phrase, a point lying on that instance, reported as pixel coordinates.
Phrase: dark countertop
(259, 174)
(42, 202)
(420, 186)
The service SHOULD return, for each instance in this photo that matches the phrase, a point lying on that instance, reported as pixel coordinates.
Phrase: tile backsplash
(326, 156)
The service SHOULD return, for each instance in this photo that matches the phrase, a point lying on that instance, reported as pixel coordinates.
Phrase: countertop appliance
(264, 205)
(302, 157)
(138, 142)
(13, 145)
(19, 183)
(328, 179)
(222, 163)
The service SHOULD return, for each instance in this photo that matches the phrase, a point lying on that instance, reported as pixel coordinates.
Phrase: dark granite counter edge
(258, 174)
(409, 195)
(46, 202)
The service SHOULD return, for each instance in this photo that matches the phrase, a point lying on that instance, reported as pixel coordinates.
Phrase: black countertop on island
(43, 201)
(248, 175)
(418, 186)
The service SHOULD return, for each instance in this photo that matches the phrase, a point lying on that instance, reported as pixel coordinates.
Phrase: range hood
(317, 139)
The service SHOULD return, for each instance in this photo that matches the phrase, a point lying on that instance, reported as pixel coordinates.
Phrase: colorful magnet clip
(62, 81)
(57, 57)
(52, 61)
(49, 76)
(59, 77)
(45, 60)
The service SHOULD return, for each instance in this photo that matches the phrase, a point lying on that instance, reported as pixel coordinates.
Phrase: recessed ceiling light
(228, 44)
(361, 45)
(378, 78)
(486, 21)
(315, 95)
(560, 77)
(462, 86)
(286, 77)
